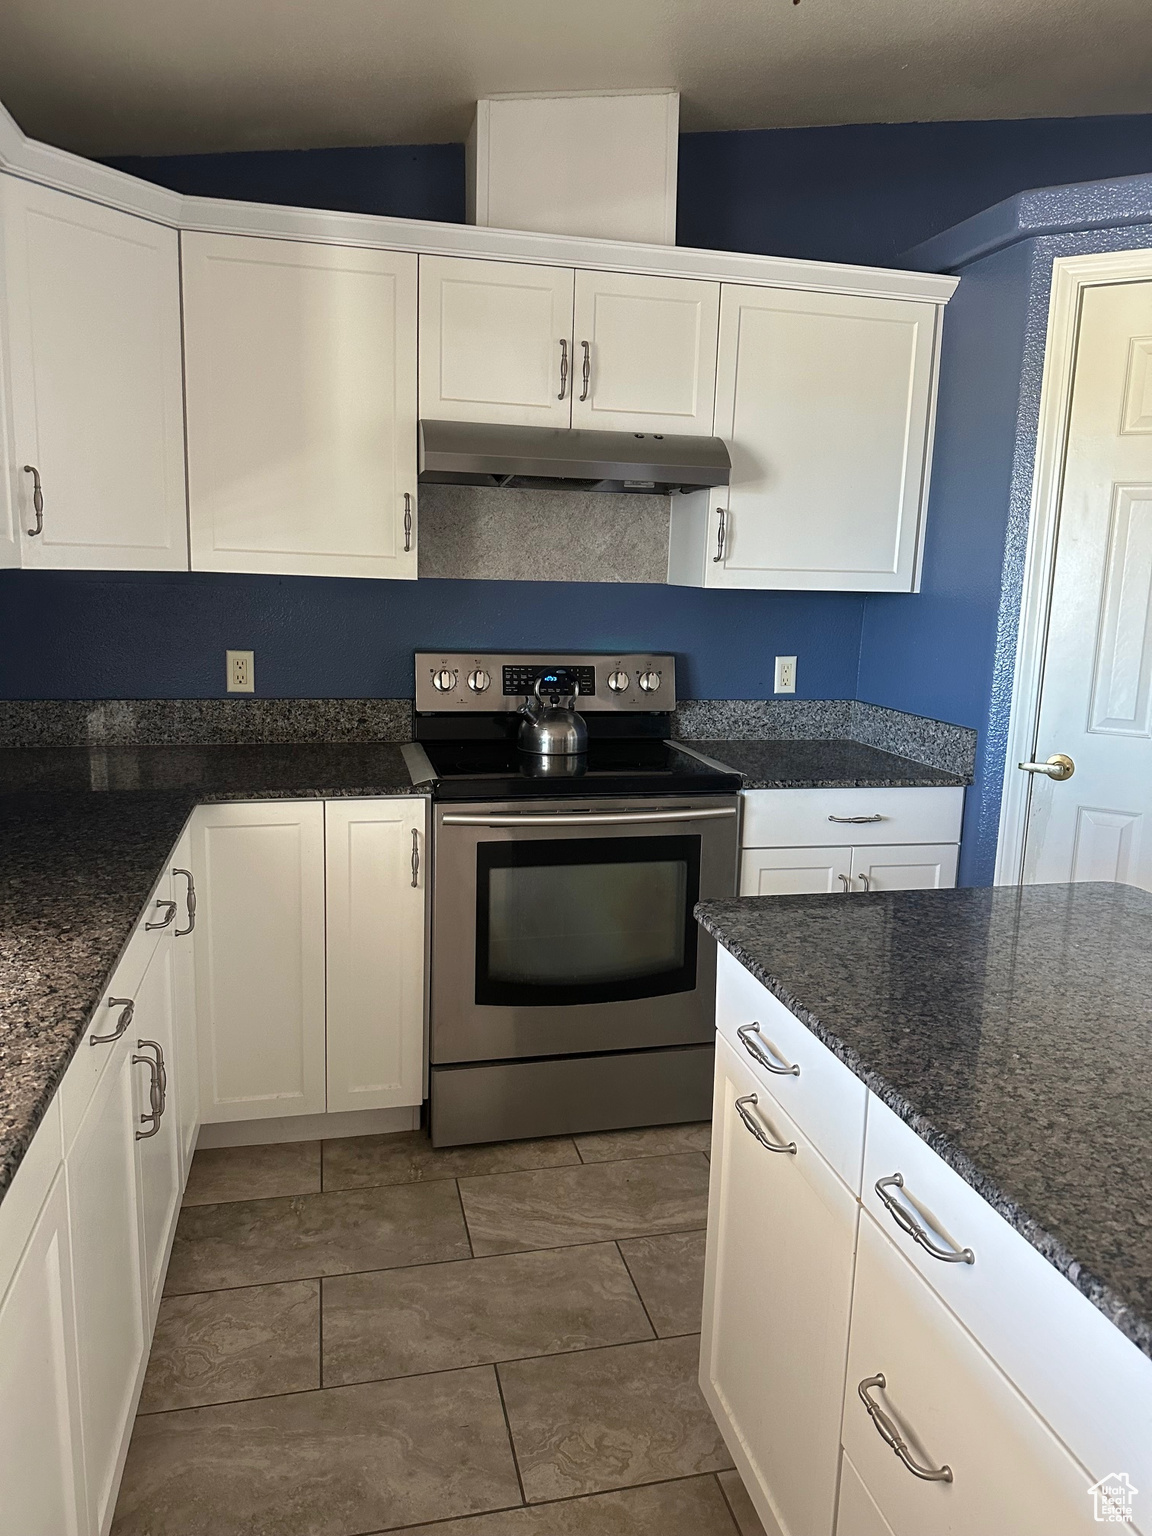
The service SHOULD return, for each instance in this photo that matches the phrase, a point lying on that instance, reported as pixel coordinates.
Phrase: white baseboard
(353, 1122)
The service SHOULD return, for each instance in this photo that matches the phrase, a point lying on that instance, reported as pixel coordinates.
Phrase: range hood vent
(481, 453)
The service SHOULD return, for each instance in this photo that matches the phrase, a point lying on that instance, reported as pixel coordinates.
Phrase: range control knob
(479, 680)
(618, 682)
(444, 681)
(649, 681)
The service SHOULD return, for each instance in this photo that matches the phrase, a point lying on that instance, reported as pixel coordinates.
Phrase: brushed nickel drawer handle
(721, 531)
(563, 368)
(191, 903)
(407, 522)
(758, 1053)
(415, 858)
(157, 1086)
(165, 920)
(892, 1436)
(587, 373)
(750, 1124)
(129, 1006)
(37, 501)
(855, 821)
(908, 1223)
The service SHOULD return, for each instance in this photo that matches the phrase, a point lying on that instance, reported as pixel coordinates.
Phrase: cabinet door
(918, 867)
(645, 353)
(495, 342)
(856, 1512)
(158, 1165)
(301, 397)
(954, 1408)
(777, 1291)
(186, 1100)
(376, 854)
(93, 311)
(825, 401)
(259, 872)
(104, 1214)
(41, 1466)
(794, 871)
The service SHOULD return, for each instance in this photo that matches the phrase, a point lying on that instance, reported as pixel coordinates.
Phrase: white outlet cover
(785, 674)
(240, 672)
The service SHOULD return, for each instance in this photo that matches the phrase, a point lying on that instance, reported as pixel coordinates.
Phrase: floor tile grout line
(727, 1501)
(445, 1370)
(505, 1253)
(464, 1219)
(511, 1437)
(636, 1288)
(320, 1321)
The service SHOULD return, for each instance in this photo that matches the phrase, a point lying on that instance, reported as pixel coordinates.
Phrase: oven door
(568, 928)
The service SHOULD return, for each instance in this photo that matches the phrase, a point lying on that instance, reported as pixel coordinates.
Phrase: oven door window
(592, 920)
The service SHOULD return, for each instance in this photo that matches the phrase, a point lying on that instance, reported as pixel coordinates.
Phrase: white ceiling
(108, 77)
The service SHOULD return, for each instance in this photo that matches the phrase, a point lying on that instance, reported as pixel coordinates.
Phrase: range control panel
(482, 683)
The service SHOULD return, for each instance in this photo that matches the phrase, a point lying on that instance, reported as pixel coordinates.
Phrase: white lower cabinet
(951, 1407)
(259, 872)
(41, 1461)
(376, 858)
(920, 867)
(186, 1103)
(159, 1171)
(794, 871)
(777, 1295)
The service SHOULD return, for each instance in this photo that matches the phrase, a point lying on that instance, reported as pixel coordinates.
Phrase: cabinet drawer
(953, 1408)
(825, 1099)
(808, 818)
(1078, 1371)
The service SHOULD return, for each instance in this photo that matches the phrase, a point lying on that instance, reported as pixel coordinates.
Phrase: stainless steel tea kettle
(552, 729)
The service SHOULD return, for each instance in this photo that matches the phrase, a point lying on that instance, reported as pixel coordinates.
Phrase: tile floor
(371, 1335)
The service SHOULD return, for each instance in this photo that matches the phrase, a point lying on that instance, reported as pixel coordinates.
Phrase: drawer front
(952, 1408)
(87, 1066)
(28, 1191)
(1095, 1388)
(809, 818)
(824, 1098)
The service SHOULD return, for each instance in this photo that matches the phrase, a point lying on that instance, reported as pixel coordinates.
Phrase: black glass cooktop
(498, 770)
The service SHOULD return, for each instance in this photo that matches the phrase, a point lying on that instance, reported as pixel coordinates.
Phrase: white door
(794, 871)
(156, 1085)
(825, 402)
(259, 872)
(911, 867)
(954, 1409)
(93, 325)
(300, 367)
(645, 353)
(104, 1215)
(777, 1293)
(41, 1462)
(495, 342)
(376, 854)
(186, 1102)
(1096, 696)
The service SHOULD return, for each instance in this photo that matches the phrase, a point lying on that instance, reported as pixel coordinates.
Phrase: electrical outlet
(240, 672)
(785, 674)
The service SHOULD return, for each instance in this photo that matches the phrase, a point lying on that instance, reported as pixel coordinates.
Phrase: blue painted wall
(90, 635)
(863, 192)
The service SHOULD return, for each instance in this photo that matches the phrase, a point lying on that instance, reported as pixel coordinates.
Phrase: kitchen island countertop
(1011, 1029)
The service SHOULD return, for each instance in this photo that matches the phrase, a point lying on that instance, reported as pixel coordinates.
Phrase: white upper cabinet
(300, 378)
(645, 353)
(376, 854)
(825, 401)
(495, 342)
(92, 326)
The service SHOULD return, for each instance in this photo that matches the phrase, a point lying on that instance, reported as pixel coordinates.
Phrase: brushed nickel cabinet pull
(750, 1124)
(905, 1220)
(165, 920)
(563, 368)
(415, 858)
(865, 882)
(190, 903)
(758, 1053)
(157, 1086)
(721, 530)
(587, 369)
(129, 1006)
(37, 500)
(846, 882)
(855, 821)
(892, 1436)
(407, 522)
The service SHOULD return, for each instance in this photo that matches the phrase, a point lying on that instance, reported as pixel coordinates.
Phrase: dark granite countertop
(822, 765)
(84, 833)
(1011, 1028)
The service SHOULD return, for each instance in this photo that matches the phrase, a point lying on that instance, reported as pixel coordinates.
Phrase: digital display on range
(519, 680)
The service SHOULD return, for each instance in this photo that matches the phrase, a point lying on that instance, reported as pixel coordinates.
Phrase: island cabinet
(310, 956)
(90, 320)
(797, 841)
(891, 1358)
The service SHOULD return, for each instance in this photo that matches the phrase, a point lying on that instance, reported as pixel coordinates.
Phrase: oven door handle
(609, 819)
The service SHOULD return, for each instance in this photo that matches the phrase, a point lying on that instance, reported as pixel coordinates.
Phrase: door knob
(1059, 767)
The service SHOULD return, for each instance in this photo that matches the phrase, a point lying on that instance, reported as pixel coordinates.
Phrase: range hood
(481, 453)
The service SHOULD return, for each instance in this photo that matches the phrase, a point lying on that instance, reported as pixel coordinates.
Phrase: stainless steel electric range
(571, 989)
